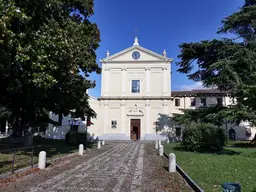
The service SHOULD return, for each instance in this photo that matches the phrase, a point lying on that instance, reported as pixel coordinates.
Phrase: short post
(159, 143)
(161, 150)
(167, 140)
(6, 128)
(156, 144)
(99, 144)
(81, 149)
(103, 142)
(42, 160)
(172, 163)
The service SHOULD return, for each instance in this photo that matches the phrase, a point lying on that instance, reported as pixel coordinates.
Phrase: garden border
(186, 177)
(9, 174)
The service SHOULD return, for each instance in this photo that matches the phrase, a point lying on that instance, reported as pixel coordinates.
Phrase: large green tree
(228, 64)
(47, 51)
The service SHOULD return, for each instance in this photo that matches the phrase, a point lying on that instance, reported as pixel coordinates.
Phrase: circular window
(135, 55)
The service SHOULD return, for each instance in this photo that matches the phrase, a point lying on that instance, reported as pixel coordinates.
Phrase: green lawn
(53, 148)
(209, 171)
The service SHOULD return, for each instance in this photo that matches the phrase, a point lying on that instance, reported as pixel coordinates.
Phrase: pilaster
(165, 81)
(107, 81)
(147, 106)
(105, 116)
(123, 115)
(123, 81)
(147, 81)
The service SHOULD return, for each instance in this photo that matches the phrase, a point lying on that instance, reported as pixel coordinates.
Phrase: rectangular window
(135, 86)
(178, 131)
(203, 102)
(113, 124)
(193, 102)
(177, 102)
(219, 101)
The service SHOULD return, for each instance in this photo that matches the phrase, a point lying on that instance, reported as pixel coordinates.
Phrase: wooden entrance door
(135, 129)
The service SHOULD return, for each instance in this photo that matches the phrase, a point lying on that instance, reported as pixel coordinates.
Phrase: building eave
(161, 57)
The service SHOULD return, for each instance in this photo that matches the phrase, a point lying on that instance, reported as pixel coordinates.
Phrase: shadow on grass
(223, 152)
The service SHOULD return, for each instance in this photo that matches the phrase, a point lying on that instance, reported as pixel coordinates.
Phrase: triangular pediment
(145, 55)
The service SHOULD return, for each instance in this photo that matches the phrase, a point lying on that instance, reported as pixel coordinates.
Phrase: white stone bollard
(167, 141)
(103, 142)
(159, 143)
(156, 144)
(99, 144)
(42, 160)
(81, 149)
(172, 163)
(161, 150)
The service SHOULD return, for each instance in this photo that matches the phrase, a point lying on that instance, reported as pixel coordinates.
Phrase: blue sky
(162, 24)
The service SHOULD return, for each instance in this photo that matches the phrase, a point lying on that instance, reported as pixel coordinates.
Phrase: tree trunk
(17, 130)
(254, 140)
(28, 137)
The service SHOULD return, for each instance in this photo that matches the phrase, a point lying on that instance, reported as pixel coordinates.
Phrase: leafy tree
(200, 115)
(45, 47)
(228, 64)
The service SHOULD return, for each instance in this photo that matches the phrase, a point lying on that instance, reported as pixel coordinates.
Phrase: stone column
(147, 105)
(123, 81)
(165, 82)
(123, 115)
(147, 81)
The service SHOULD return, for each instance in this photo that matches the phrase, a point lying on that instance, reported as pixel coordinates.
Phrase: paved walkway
(120, 167)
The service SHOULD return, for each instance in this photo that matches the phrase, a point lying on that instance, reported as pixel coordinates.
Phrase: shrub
(37, 139)
(75, 138)
(203, 137)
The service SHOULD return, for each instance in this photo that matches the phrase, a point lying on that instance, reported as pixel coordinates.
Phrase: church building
(135, 95)
(136, 101)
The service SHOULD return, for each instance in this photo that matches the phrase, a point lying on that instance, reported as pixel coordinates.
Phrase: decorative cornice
(147, 69)
(107, 69)
(123, 69)
(137, 47)
(136, 98)
(137, 61)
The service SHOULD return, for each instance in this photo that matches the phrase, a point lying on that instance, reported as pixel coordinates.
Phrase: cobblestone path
(120, 168)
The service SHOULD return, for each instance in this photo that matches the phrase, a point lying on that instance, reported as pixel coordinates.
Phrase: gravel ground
(156, 176)
(117, 166)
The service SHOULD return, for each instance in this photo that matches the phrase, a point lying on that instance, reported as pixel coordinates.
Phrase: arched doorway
(232, 134)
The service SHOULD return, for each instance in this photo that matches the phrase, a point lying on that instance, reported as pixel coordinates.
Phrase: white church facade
(135, 94)
(136, 102)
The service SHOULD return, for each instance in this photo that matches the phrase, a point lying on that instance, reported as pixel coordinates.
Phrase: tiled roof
(198, 92)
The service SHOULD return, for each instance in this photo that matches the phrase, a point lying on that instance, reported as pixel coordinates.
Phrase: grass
(54, 149)
(210, 171)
